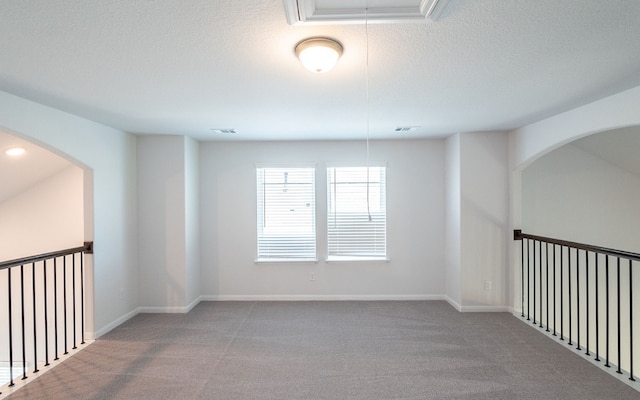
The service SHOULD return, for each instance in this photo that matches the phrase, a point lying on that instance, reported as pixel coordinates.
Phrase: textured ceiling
(187, 66)
(18, 174)
(618, 147)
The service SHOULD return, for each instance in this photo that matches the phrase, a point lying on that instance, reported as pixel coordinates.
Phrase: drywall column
(477, 220)
(484, 214)
(168, 269)
(452, 220)
(192, 220)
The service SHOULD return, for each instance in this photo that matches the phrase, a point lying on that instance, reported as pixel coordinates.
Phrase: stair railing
(45, 308)
(584, 294)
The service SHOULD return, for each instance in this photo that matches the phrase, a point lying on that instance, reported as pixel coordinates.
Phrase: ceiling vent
(406, 128)
(224, 131)
(319, 12)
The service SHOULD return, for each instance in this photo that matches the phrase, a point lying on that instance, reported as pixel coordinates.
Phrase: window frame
(333, 256)
(264, 257)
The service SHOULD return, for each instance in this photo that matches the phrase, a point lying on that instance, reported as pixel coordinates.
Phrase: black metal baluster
(619, 323)
(522, 274)
(631, 321)
(73, 287)
(578, 297)
(11, 383)
(555, 276)
(82, 293)
(586, 265)
(55, 307)
(606, 271)
(546, 255)
(597, 308)
(64, 296)
(24, 345)
(569, 280)
(534, 281)
(35, 338)
(46, 321)
(528, 283)
(561, 292)
(540, 278)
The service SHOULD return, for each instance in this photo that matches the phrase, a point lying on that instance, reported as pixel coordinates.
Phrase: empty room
(317, 199)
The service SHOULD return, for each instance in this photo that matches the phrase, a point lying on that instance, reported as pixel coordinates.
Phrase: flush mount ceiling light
(15, 151)
(319, 54)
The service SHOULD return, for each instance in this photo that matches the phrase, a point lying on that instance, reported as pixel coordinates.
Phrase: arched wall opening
(586, 191)
(576, 188)
(46, 205)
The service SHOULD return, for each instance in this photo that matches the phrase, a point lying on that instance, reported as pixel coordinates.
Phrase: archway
(44, 205)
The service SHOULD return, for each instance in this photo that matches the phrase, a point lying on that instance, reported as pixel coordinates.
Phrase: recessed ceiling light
(406, 128)
(15, 151)
(225, 131)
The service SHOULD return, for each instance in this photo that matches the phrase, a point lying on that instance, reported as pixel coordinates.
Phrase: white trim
(485, 309)
(115, 323)
(324, 297)
(453, 303)
(306, 12)
(266, 260)
(172, 309)
(462, 308)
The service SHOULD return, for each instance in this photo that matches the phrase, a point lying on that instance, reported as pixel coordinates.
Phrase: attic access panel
(320, 12)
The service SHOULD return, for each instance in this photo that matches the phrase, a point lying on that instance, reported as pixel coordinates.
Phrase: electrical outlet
(487, 285)
(312, 276)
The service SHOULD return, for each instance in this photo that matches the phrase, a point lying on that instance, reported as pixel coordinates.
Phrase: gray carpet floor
(326, 350)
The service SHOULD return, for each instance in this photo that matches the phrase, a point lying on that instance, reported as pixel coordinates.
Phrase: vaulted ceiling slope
(189, 66)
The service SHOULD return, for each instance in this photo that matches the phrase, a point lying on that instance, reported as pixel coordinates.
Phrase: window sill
(286, 260)
(356, 259)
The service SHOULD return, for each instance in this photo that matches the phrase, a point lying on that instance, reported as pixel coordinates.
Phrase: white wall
(484, 218)
(108, 157)
(573, 195)
(45, 218)
(477, 220)
(415, 207)
(161, 221)
(453, 234)
(192, 220)
(168, 223)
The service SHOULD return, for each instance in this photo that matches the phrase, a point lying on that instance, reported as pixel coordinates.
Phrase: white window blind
(286, 214)
(356, 212)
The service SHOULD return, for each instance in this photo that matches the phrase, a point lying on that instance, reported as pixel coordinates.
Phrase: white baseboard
(190, 306)
(171, 309)
(322, 297)
(462, 308)
(113, 324)
(453, 303)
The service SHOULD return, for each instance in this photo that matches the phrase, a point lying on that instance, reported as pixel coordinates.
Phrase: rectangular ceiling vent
(406, 128)
(225, 131)
(329, 12)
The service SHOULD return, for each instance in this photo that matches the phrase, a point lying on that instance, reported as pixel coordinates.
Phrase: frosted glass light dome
(319, 54)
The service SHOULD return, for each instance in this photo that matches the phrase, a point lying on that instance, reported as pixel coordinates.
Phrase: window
(286, 214)
(356, 213)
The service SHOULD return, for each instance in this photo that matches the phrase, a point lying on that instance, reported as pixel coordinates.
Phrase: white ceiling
(18, 174)
(618, 147)
(187, 66)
